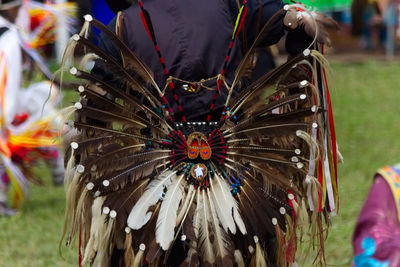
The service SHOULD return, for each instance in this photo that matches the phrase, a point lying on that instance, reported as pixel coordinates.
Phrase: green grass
(366, 100)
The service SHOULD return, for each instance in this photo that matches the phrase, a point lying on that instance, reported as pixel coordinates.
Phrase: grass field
(366, 100)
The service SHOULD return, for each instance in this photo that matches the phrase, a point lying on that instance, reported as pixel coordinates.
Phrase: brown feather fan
(222, 193)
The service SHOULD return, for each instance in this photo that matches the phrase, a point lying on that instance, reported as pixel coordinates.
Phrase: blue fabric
(101, 12)
(365, 259)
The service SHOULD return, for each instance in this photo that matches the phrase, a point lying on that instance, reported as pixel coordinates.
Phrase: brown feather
(131, 60)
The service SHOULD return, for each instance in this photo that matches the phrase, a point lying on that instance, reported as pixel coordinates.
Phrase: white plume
(220, 238)
(231, 203)
(139, 214)
(224, 203)
(168, 212)
(204, 230)
(186, 205)
(239, 221)
(98, 227)
(196, 216)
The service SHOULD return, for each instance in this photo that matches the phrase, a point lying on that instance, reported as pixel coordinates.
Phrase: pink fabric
(4, 179)
(379, 220)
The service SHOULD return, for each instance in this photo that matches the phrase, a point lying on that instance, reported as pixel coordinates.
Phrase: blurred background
(364, 83)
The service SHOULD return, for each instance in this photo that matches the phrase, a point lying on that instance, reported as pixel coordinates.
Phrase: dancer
(28, 123)
(188, 162)
(377, 232)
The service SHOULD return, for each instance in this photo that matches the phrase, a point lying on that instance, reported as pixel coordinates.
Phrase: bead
(106, 210)
(300, 165)
(314, 108)
(113, 214)
(90, 186)
(303, 83)
(78, 105)
(80, 169)
(88, 18)
(73, 71)
(74, 145)
(282, 210)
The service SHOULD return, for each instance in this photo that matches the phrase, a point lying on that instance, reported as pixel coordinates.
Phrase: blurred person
(147, 161)
(367, 22)
(376, 238)
(28, 123)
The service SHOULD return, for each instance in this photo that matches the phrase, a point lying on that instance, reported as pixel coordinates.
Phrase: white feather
(239, 220)
(220, 240)
(168, 212)
(204, 230)
(196, 216)
(97, 228)
(239, 258)
(225, 191)
(224, 203)
(139, 214)
(186, 205)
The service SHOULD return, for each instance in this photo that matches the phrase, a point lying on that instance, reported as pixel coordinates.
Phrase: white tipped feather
(260, 257)
(204, 230)
(86, 59)
(168, 212)
(139, 215)
(196, 216)
(98, 227)
(184, 211)
(220, 237)
(239, 258)
(231, 202)
(103, 245)
(239, 221)
(186, 205)
(224, 203)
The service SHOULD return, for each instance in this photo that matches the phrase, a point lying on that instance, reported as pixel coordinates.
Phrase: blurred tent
(328, 5)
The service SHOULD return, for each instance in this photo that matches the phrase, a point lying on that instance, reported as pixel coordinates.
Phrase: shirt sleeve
(379, 222)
